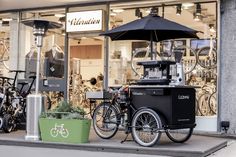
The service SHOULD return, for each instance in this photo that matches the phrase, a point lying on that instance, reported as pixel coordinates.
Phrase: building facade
(82, 55)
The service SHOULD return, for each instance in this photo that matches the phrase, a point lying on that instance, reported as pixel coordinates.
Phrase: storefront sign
(84, 21)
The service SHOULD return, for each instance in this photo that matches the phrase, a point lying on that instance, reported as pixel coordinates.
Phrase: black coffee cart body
(174, 104)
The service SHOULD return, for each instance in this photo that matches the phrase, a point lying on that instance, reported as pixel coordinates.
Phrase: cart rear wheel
(105, 120)
(146, 125)
(179, 135)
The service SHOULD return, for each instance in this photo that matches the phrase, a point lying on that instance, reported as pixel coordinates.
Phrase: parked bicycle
(4, 51)
(13, 104)
(207, 56)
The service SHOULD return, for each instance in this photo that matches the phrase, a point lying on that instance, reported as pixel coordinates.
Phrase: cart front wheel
(179, 135)
(146, 125)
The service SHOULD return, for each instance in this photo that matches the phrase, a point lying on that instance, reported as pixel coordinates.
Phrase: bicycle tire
(150, 127)
(212, 105)
(193, 64)
(1, 122)
(105, 130)
(201, 53)
(179, 135)
(203, 108)
(48, 103)
(8, 123)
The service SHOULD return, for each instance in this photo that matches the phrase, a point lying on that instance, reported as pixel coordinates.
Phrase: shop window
(8, 43)
(199, 55)
(52, 53)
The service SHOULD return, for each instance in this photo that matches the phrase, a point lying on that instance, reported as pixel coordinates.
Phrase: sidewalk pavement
(197, 146)
(228, 151)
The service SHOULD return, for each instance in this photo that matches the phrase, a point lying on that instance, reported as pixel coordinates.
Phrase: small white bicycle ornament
(59, 129)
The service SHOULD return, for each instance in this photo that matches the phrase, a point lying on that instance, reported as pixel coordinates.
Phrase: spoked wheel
(212, 103)
(179, 135)
(8, 123)
(105, 120)
(146, 125)
(1, 122)
(48, 104)
(210, 55)
(203, 106)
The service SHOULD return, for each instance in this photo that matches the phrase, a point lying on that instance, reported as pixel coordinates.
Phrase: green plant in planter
(65, 124)
(65, 110)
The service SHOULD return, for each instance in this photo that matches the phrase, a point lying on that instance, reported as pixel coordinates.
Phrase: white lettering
(182, 97)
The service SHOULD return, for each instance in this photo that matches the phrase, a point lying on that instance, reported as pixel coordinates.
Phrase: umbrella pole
(151, 46)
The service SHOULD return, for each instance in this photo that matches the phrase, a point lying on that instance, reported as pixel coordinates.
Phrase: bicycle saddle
(22, 83)
(19, 71)
(33, 76)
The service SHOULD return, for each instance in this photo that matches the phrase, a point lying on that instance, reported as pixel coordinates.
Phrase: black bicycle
(13, 101)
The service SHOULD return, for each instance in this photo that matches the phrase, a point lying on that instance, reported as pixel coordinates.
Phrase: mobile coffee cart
(153, 105)
(159, 101)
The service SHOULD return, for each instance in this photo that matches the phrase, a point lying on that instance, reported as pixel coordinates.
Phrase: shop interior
(86, 51)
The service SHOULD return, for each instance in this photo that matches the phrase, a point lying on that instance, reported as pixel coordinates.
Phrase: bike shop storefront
(70, 58)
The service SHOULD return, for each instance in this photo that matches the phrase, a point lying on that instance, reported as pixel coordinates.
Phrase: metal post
(37, 70)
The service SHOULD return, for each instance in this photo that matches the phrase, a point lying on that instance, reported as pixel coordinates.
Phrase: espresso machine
(163, 72)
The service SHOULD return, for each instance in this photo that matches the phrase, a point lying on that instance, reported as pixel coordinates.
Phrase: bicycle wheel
(212, 103)
(1, 122)
(203, 107)
(179, 135)
(4, 53)
(210, 56)
(146, 125)
(8, 123)
(48, 104)
(189, 65)
(105, 120)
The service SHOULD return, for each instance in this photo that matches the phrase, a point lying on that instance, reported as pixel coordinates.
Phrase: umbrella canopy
(151, 28)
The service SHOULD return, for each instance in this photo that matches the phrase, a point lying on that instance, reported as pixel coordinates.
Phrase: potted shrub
(65, 124)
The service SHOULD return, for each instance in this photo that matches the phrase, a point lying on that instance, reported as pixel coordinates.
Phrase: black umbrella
(151, 28)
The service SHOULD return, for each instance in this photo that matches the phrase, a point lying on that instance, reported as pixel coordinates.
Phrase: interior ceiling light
(59, 15)
(7, 19)
(212, 28)
(198, 9)
(197, 17)
(138, 13)
(118, 10)
(62, 19)
(113, 13)
(187, 5)
(178, 9)
(148, 11)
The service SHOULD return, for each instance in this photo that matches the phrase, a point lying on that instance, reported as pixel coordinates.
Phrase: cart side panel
(158, 99)
(183, 106)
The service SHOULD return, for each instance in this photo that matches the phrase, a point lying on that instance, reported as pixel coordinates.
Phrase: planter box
(64, 130)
